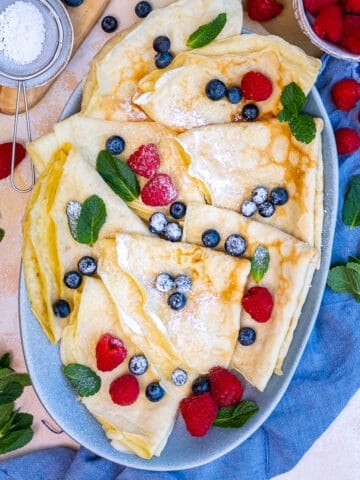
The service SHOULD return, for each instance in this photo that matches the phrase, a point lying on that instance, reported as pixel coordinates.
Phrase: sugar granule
(22, 32)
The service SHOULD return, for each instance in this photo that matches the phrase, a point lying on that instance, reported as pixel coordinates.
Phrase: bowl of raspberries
(332, 25)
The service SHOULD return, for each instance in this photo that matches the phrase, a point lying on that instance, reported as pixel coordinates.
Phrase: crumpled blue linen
(326, 378)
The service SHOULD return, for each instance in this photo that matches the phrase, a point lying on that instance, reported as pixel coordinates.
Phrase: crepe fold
(288, 279)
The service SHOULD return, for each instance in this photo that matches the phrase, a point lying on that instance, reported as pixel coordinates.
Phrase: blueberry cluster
(163, 56)
(263, 202)
(160, 225)
(234, 245)
(164, 283)
(138, 365)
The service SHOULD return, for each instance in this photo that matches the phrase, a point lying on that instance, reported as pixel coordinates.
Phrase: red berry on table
(347, 140)
(124, 390)
(264, 10)
(199, 413)
(110, 352)
(345, 93)
(225, 388)
(329, 24)
(352, 6)
(145, 161)
(256, 86)
(5, 157)
(314, 6)
(159, 191)
(258, 303)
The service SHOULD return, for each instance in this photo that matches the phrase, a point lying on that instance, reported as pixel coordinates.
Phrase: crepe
(176, 97)
(199, 336)
(128, 56)
(288, 278)
(141, 428)
(231, 160)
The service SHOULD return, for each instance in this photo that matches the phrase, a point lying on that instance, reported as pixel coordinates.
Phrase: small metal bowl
(305, 21)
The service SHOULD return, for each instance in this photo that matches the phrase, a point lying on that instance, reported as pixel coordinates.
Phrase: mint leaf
(22, 379)
(236, 415)
(287, 113)
(92, 217)
(292, 97)
(4, 372)
(5, 360)
(2, 233)
(259, 263)
(351, 209)
(84, 380)
(118, 175)
(354, 260)
(21, 421)
(14, 440)
(354, 277)
(207, 33)
(10, 392)
(338, 280)
(303, 128)
(5, 413)
(73, 210)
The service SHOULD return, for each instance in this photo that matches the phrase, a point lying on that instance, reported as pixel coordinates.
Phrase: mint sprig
(85, 220)
(346, 278)
(302, 126)
(235, 416)
(2, 233)
(207, 33)
(351, 209)
(259, 263)
(84, 380)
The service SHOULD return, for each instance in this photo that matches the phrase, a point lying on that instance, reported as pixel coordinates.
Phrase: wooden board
(83, 19)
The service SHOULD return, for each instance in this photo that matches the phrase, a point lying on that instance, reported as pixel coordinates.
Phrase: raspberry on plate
(199, 413)
(345, 93)
(258, 303)
(329, 24)
(225, 388)
(159, 191)
(264, 10)
(256, 86)
(347, 140)
(110, 352)
(124, 390)
(145, 161)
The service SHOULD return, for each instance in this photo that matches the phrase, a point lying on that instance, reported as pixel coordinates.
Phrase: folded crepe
(176, 96)
(128, 56)
(288, 279)
(229, 161)
(141, 428)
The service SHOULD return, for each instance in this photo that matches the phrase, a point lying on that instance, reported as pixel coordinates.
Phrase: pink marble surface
(335, 455)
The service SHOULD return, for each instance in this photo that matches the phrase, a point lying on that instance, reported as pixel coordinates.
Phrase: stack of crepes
(215, 160)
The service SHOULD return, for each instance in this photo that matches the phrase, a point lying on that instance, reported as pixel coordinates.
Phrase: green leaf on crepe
(346, 279)
(303, 128)
(2, 233)
(118, 175)
(351, 209)
(235, 416)
(84, 380)
(92, 217)
(207, 33)
(73, 210)
(15, 439)
(5, 360)
(292, 97)
(259, 263)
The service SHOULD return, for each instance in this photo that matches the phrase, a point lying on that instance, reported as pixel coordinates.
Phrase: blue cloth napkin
(325, 380)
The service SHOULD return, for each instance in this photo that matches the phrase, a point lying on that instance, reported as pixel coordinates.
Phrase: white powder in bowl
(22, 32)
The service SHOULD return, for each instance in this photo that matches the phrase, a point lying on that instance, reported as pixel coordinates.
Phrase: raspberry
(329, 24)
(145, 161)
(314, 6)
(124, 390)
(5, 157)
(110, 352)
(256, 86)
(347, 140)
(352, 43)
(346, 93)
(199, 413)
(225, 388)
(352, 6)
(351, 24)
(263, 10)
(159, 191)
(258, 303)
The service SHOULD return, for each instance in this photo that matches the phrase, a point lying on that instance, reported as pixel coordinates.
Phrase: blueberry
(73, 3)
(179, 377)
(142, 9)
(87, 265)
(154, 392)
(138, 364)
(259, 195)
(163, 59)
(157, 223)
(248, 208)
(177, 301)
(164, 282)
(279, 196)
(115, 145)
(233, 94)
(72, 279)
(161, 44)
(250, 112)
(235, 245)
(109, 24)
(182, 283)
(173, 232)
(200, 385)
(210, 238)
(247, 336)
(177, 210)
(266, 209)
(215, 89)
(61, 308)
